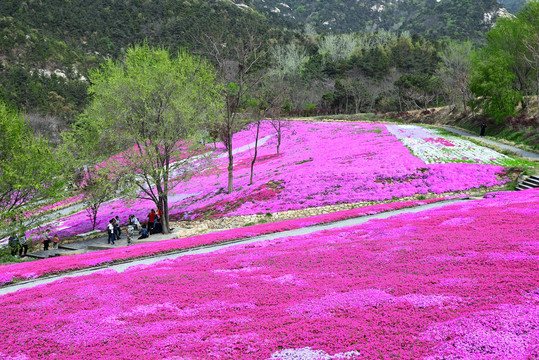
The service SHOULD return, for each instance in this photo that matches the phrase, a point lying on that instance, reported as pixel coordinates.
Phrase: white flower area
(431, 147)
(310, 354)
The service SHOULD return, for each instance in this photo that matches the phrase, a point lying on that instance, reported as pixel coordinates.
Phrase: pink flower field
(320, 164)
(456, 282)
(31, 270)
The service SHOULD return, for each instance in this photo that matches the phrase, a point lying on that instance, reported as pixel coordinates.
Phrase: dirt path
(210, 248)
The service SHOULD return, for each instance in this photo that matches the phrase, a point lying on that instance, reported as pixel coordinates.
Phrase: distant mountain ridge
(456, 19)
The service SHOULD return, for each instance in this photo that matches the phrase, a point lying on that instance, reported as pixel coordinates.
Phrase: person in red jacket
(151, 217)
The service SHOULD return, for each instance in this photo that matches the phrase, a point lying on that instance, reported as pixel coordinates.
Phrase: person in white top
(110, 230)
(134, 221)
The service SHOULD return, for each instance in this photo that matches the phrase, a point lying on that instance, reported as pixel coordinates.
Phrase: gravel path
(521, 152)
(210, 248)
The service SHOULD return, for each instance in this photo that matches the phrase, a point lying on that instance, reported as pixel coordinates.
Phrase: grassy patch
(6, 258)
(527, 166)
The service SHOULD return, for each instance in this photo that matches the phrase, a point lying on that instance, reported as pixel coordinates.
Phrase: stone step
(102, 247)
(524, 187)
(37, 256)
(531, 182)
(67, 247)
(44, 254)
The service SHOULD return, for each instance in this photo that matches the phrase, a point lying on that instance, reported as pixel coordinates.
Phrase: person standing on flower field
(157, 218)
(151, 218)
(55, 241)
(23, 245)
(46, 239)
(110, 231)
(13, 243)
(483, 129)
(117, 229)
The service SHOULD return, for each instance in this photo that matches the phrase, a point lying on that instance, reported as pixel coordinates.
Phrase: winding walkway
(120, 267)
(521, 152)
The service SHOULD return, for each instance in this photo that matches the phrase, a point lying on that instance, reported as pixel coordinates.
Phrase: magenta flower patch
(325, 295)
(320, 164)
(9, 273)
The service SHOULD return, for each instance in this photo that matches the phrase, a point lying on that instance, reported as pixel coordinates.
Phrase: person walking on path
(117, 230)
(23, 245)
(483, 129)
(46, 239)
(13, 243)
(110, 231)
(151, 217)
(55, 241)
(130, 232)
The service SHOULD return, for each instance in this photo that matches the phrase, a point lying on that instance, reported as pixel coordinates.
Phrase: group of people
(154, 221)
(152, 227)
(47, 239)
(113, 230)
(18, 244)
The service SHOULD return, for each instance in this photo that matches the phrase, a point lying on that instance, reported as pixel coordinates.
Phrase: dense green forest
(48, 47)
(462, 19)
(513, 6)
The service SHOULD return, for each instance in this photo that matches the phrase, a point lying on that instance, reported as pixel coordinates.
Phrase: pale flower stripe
(432, 148)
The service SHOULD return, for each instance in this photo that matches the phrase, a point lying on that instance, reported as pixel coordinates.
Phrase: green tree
(30, 170)
(504, 72)
(98, 188)
(492, 82)
(418, 90)
(528, 18)
(149, 107)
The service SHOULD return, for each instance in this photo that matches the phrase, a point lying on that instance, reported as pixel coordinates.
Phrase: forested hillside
(47, 47)
(513, 5)
(318, 57)
(455, 19)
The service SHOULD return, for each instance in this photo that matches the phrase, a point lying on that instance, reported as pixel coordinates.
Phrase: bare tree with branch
(239, 68)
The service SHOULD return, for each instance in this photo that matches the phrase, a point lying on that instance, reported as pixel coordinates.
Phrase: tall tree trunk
(279, 133)
(230, 163)
(95, 209)
(256, 152)
(165, 223)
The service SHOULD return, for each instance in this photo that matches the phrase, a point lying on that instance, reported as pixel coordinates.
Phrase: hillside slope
(48, 47)
(360, 162)
(457, 19)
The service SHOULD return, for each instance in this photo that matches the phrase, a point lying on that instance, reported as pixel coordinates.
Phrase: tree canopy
(147, 108)
(505, 71)
(30, 170)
